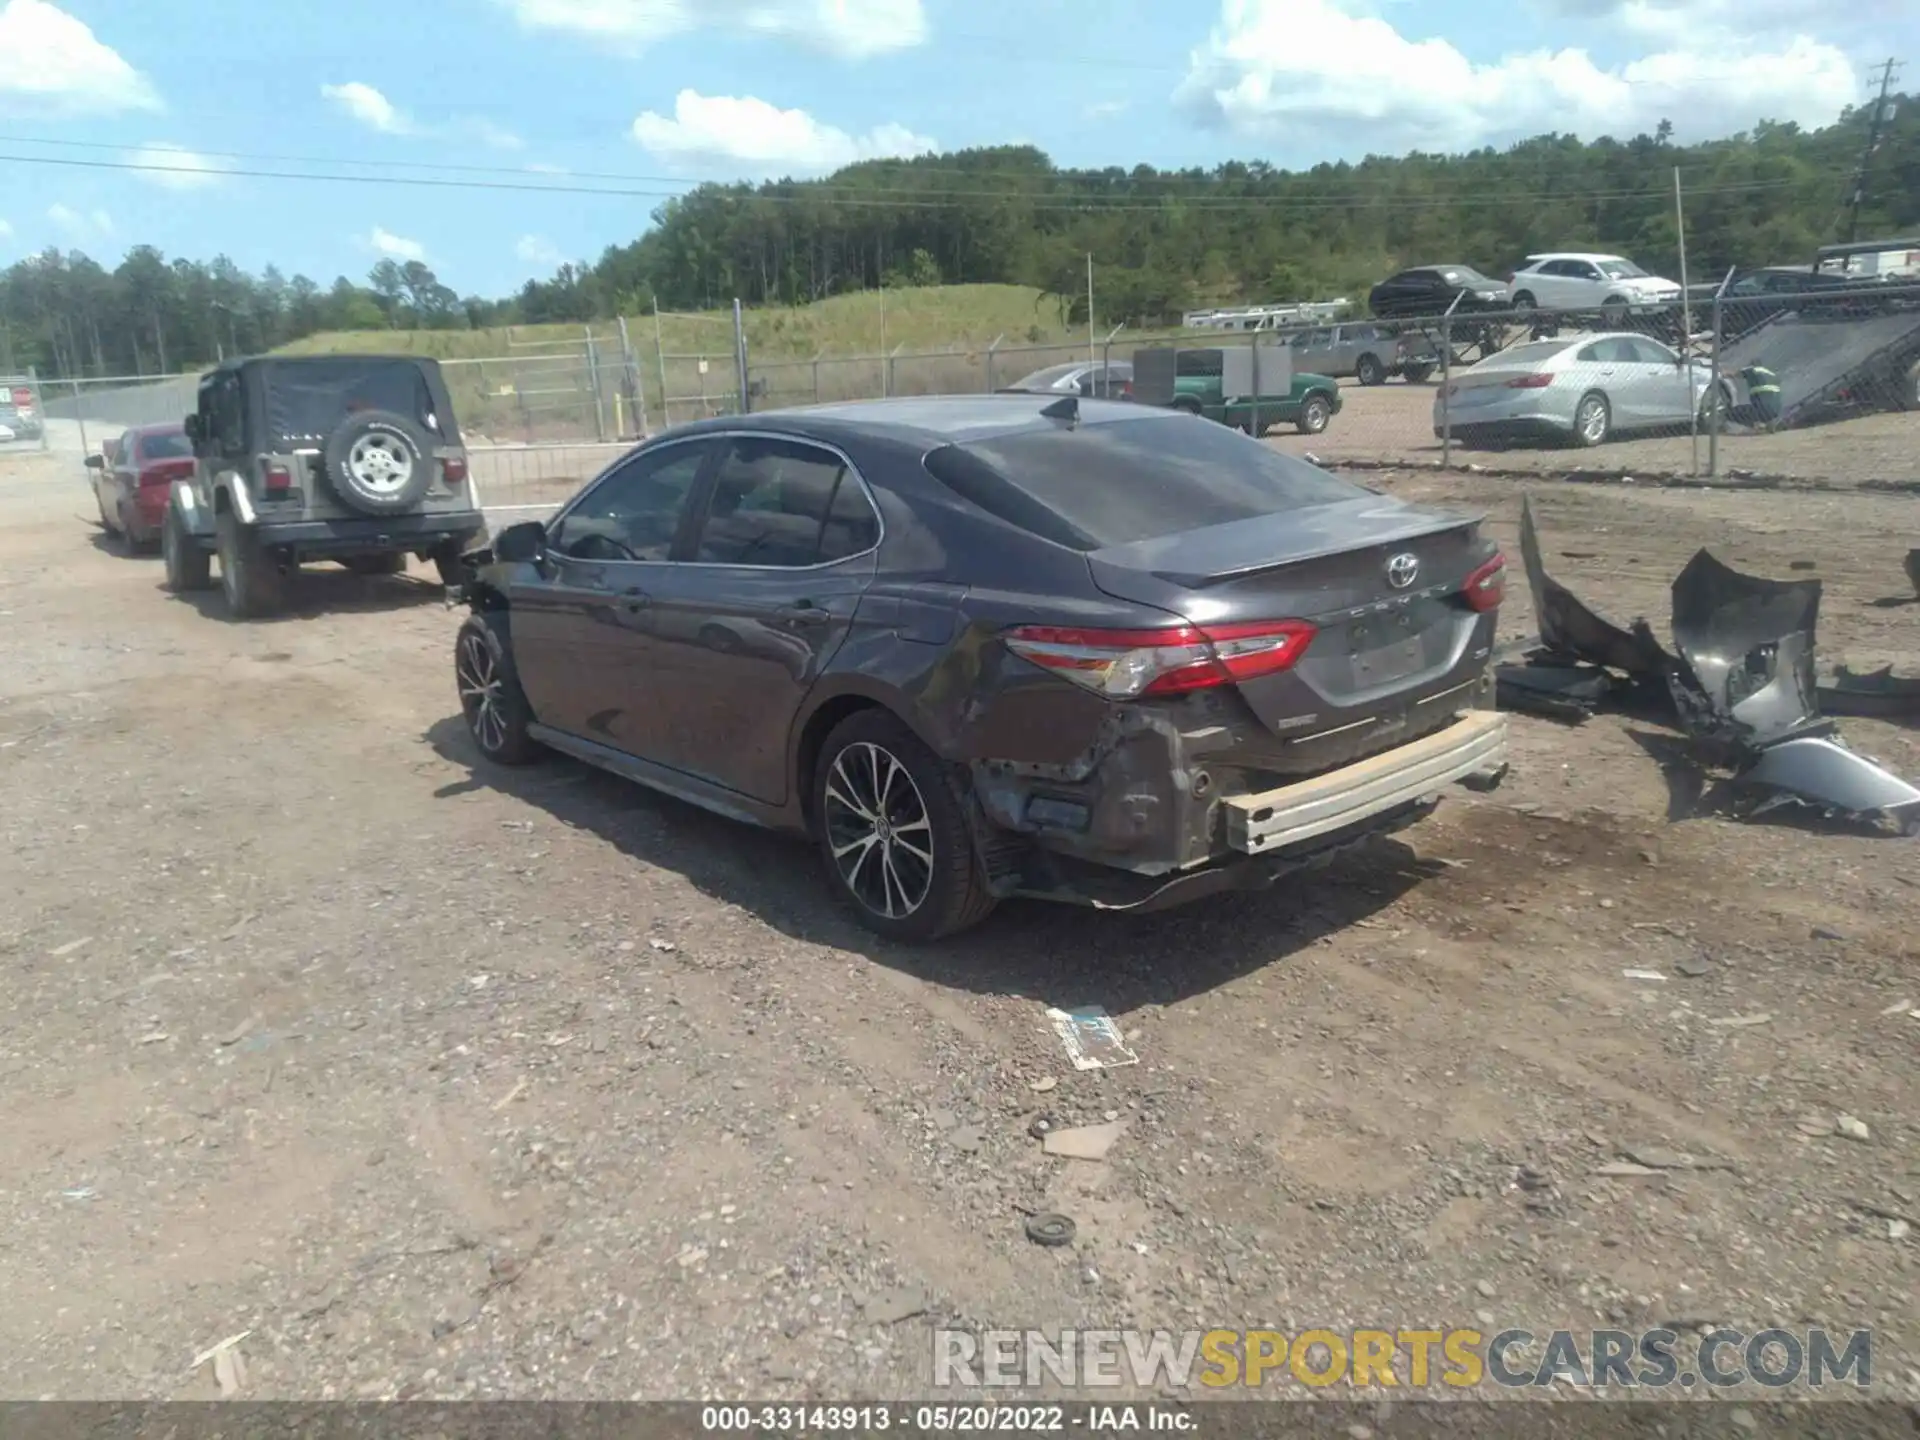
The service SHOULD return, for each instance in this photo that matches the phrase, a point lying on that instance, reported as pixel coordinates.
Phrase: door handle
(804, 612)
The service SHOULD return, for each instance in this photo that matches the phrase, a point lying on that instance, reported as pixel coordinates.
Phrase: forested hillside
(1162, 241)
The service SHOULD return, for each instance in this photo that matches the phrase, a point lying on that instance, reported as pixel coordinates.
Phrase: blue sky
(662, 93)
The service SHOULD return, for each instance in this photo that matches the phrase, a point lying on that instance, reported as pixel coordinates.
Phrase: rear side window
(1113, 484)
(784, 503)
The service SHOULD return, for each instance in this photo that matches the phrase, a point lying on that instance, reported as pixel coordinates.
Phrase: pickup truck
(1368, 352)
(1309, 402)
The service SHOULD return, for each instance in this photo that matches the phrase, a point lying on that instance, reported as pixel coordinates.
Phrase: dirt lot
(1395, 422)
(438, 1081)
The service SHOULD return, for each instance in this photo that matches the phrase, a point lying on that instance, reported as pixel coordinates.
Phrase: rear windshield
(1115, 483)
(167, 445)
(308, 401)
(1529, 354)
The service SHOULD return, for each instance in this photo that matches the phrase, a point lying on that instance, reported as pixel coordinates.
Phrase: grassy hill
(540, 381)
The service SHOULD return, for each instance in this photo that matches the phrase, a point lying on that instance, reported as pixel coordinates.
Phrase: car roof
(925, 420)
(160, 427)
(1574, 255)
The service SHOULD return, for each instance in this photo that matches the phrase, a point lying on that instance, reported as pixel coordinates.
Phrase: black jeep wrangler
(354, 458)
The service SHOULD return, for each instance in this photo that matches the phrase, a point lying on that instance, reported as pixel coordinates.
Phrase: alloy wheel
(1593, 421)
(878, 831)
(480, 693)
(380, 462)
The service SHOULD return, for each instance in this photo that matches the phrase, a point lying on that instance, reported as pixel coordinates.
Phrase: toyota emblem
(1402, 570)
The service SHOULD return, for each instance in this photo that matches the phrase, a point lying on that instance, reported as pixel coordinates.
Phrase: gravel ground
(438, 1081)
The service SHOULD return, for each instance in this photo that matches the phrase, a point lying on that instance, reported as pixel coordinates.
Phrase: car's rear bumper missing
(1473, 747)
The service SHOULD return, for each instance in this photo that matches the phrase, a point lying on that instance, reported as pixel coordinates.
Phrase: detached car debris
(1743, 681)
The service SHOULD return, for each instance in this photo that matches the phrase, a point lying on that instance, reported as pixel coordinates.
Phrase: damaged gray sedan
(997, 645)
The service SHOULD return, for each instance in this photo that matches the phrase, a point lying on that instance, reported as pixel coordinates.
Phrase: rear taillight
(454, 469)
(1128, 664)
(279, 479)
(1531, 382)
(1486, 587)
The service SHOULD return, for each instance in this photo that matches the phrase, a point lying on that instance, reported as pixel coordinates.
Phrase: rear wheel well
(483, 597)
(814, 736)
(222, 502)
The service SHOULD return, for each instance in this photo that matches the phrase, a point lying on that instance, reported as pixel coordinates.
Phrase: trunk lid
(1379, 644)
(165, 472)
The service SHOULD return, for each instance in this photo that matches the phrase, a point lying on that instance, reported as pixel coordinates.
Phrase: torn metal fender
(1567, 627)
(1748, 648)
(1821, 770)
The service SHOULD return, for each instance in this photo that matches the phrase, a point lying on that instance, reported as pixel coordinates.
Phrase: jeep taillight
(279, 479)
(1129, 664)
(453, 468)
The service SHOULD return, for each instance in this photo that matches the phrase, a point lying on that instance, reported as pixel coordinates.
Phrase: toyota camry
(986, 646)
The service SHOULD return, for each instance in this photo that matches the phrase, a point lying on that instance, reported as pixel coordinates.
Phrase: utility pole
(1876, 126)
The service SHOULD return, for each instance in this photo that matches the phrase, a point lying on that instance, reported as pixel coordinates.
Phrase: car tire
(491, 700)
(130, 538)
(1315, 412)
(1369, 371)
(1613, 312)
(1592, 420)
(106, 521)
(873, 766)
(1524, 304)
(394, 564)
(254, 586)
(378, 463)
(188, 567)
(1186, 405)
(1417, 374)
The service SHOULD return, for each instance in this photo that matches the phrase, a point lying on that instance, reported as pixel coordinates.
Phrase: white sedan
(1584, 390)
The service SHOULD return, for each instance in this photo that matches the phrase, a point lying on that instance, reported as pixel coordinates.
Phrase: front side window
(634, 513)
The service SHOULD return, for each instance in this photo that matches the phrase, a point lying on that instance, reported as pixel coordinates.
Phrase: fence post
(1446, 386)
(740, 359)
(39, 405)
(1713, 381)
(816, 376)
(79, 414)
(991, 357)
(1253, 352)
(660, 350)
(593, 379)
(630, 378)
(891, 354)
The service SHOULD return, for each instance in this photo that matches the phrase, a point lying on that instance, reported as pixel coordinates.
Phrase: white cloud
(1331, 81)
(852, 29)
(750, 133)
(538, 250)
(1104, 109)
(394, 247)
(91, 225)
(496, 137)
(369, 107)
(175, 167)
(6, 229)
(53, 64)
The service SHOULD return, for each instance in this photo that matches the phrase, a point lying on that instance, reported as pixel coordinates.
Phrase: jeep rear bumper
(335, 539)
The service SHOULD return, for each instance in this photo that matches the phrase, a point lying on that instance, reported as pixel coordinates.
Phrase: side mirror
(191, 424)
(96, 462)
(522, 544)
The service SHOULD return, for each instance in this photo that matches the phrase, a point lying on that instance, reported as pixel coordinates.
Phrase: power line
(935, 199)
(1182, 182)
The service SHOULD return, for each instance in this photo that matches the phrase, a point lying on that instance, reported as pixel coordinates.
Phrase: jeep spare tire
(378, 463)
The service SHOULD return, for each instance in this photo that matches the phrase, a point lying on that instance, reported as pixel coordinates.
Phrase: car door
(785, 547)
(112, 479)
(581, 630)
(1313, 350)
(1663, 382)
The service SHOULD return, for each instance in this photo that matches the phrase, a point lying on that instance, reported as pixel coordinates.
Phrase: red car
(132, 476)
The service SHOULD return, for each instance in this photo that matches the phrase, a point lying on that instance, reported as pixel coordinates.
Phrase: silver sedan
(1585, 390)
